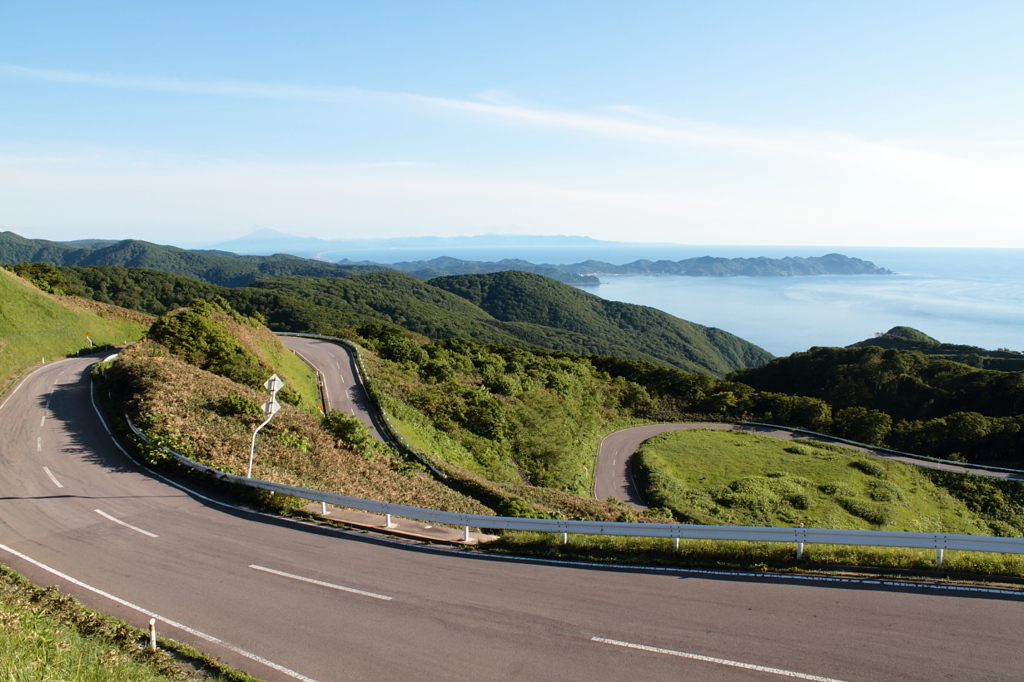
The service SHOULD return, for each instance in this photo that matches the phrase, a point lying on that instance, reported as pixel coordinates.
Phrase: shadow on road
(70, 405)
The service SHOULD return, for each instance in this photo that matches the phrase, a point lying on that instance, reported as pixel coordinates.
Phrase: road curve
(341, 386)
(613, 477)
(288, 601)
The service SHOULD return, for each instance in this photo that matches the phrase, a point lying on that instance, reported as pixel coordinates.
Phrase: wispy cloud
(186, 86)
(775, 177)
(942, 172)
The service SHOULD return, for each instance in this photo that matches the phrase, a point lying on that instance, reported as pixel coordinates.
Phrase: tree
(862, 425)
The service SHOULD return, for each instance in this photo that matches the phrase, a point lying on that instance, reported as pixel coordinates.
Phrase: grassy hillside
(740, 478)
(195, 385)
(214, 337)
(34, 325)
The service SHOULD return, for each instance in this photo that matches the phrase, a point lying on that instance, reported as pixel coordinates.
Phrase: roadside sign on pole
(271, 407)
(274, 384)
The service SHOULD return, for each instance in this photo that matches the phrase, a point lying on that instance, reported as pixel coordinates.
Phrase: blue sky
(832, 123)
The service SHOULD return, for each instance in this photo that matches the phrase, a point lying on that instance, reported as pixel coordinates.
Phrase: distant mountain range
(227, 268)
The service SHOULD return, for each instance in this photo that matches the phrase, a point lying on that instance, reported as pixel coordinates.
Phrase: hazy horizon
(858, 123)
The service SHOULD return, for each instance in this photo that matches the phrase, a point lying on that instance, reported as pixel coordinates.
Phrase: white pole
(270, 408)
(152, 634)
(252, 446)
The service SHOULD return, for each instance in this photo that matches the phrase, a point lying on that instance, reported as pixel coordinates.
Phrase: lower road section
(287, 601)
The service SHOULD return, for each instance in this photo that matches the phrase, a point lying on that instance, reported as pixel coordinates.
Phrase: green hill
(558, 316)
(937, 407)
(220, 268)
(35, 325)
(612, 328)
(908, 338)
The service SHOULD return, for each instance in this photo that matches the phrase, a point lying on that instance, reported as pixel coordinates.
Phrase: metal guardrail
(822, 536)
(878, 448)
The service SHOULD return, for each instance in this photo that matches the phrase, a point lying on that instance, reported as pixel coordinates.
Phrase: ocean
(962, 296)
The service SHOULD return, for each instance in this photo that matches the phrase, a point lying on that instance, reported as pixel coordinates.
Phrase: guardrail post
(675, 543)
(323, 509)
(387, 521)
(465, 533)
(938, 556)
(565, 538)
(800, 546)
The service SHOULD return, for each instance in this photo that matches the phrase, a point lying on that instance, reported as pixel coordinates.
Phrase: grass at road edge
(47, 635)
(896, 562)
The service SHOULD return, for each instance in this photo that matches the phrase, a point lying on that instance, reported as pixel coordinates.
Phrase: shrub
(838, 488)
(884, 491)
(348, 428)
(877, 514)
(236, 405)
(870, 467)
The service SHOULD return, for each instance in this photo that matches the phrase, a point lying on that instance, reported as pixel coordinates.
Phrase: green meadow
(740, 478)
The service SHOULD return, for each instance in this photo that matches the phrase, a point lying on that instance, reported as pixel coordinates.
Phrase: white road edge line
(711, 659)
(321, 583)
(126, 525)
(52, 477)
(146, 612)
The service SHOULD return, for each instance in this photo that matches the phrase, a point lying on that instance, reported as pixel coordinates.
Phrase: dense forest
(219, 267)
(905, 399)
(519, 309)
(907, 338)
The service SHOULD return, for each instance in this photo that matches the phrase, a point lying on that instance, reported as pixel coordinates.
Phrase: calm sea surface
(965, 296)
(968, 296)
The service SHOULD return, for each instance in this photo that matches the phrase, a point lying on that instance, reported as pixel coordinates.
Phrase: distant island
(587, 272)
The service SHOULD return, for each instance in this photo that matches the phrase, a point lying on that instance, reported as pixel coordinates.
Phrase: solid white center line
(52, 477)
(126, 525)
(719, 661)
(320, 582)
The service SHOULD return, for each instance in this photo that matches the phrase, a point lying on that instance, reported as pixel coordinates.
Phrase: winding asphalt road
(340, 384)
(289, 601)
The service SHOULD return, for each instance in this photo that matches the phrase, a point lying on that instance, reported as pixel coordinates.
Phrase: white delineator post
(270, 408)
